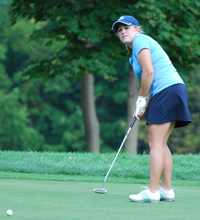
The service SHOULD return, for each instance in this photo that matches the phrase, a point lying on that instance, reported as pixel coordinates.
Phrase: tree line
(62, 69)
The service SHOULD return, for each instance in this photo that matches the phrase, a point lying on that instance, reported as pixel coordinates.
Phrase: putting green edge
(52, 177)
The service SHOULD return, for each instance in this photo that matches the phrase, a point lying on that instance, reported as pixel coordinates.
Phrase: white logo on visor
(121, 18)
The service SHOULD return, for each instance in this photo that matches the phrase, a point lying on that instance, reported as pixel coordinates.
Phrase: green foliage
(112, 108)
(176, 25)
(14, 132)
(55, 112)
(32, 113)
(84, 30)
(66, 38)
(85, 26)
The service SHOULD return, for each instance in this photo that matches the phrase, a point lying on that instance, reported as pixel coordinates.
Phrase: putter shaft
(131, 125)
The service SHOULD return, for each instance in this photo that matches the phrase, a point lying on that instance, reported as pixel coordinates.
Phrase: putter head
(102, 191)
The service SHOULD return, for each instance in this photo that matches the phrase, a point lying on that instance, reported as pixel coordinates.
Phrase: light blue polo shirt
(165, 74)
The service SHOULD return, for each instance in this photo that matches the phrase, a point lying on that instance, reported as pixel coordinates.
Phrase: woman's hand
(140, 114)
(141, 104)
(142, 110)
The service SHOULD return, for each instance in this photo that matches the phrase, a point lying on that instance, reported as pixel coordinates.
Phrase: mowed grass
(61, 200)
(56, 186)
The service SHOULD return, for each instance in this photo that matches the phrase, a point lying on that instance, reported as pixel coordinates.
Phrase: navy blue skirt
(171, 104)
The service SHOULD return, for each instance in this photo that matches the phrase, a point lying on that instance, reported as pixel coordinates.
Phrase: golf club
(104, 185)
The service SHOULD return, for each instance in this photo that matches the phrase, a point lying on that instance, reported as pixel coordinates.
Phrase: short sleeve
(140, 42)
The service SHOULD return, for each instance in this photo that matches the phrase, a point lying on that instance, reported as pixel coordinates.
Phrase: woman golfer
(163, 87)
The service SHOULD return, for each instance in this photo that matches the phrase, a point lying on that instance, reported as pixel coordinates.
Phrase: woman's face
(127, 33)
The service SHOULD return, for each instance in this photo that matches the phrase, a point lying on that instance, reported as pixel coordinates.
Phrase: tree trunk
(89, 113)
(132, 94)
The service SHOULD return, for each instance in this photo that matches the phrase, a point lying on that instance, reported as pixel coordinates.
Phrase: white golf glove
(140, 104)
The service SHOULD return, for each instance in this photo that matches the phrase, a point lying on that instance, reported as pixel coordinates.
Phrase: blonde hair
(140, 30)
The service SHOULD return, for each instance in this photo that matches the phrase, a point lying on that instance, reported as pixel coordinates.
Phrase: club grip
(133, 122)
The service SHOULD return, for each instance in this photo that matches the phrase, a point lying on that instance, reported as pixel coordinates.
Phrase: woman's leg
(160, 157)
(167, 171)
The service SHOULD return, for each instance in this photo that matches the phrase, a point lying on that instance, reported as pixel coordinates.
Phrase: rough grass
(186, 167)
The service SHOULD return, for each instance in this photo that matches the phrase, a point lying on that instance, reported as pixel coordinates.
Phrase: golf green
(61, 200)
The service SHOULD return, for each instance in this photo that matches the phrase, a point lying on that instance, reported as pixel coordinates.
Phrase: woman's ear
(137, 29)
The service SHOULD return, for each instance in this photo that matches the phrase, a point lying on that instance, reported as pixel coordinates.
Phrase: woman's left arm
(148, 99)
(144, 58)
(143, 100)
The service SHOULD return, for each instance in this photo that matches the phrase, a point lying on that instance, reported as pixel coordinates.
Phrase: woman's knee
(154, 142)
